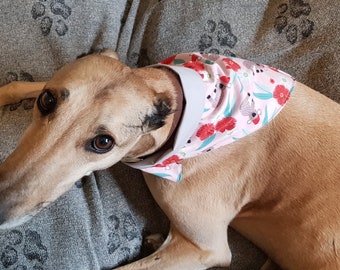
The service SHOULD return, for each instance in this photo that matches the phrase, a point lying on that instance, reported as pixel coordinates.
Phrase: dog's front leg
(198, 235)
(177, 252)
(16, 91)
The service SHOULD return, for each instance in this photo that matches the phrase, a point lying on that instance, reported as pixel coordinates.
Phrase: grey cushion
(100, 222)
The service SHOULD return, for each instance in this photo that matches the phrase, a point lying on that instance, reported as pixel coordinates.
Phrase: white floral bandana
(226, 98)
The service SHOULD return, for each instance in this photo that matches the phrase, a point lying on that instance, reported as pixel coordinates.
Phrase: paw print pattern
(217, 37)
(22, 76)
(292, 20)
(24, 250)
(12, 76)
(9, 256)
(51, 14)
(33, 248)
(123, 233)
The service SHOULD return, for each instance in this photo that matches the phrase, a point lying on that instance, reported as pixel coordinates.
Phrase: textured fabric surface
(100, 222)
(299, 37)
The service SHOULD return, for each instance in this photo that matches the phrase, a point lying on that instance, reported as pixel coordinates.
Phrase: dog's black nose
(5, 208)
(2, 216)
(5, 215)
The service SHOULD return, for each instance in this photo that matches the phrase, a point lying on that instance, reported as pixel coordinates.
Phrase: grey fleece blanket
(100, 222)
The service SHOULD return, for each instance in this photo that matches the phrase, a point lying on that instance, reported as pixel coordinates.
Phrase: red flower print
(168, 161)
(225, 79)
(205, 131)
(231, 64)
(197, 66)
(227, 123)
(281, 94)
(194, 57)
(169, 60)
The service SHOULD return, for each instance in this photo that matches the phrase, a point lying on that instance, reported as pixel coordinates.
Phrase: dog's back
(296, 218)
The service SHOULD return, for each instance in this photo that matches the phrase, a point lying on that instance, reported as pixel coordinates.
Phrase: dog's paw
(12, 76)
(153, 241)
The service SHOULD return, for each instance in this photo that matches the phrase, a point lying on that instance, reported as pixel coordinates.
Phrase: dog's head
(93, 113)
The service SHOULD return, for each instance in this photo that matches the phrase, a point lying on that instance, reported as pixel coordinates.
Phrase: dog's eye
(102, 144)
(46, 102)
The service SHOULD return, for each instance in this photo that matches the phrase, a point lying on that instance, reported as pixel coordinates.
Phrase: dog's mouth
(8, 222)
(16, 221)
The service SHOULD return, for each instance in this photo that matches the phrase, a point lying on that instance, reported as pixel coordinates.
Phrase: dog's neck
(163, 137)
(174, 119)
(178, 110)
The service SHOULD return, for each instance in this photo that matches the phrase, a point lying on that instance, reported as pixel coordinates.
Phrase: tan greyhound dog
(279, 186)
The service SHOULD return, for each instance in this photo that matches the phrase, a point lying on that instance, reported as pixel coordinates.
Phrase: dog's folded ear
(160, 111)
(106, 52)
(110, 53)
